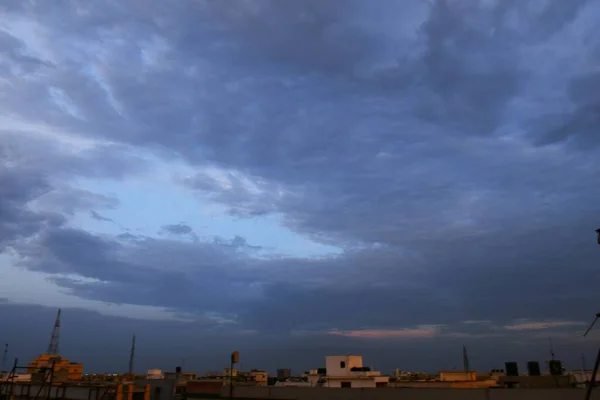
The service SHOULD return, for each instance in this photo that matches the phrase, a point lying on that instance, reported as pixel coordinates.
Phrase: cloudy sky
(298, 178)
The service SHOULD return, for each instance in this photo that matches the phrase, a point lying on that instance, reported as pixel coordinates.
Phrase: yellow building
(261, 378)
(458, 376)
(62, 366)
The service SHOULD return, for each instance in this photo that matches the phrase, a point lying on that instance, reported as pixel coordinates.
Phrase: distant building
(283, 374)
(458, 376)
(155, 373)
(63, 368)
(581, 378)
(253, 378)
(8, 377)
(346, 372)
(260, 378)
(181, 376)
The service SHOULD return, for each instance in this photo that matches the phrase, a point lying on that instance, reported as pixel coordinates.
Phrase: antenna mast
(55, 338)
(132, 356)
(465, 359)
(551, 349)
(4, 357)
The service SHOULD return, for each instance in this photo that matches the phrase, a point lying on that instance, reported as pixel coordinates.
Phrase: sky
(296, 179)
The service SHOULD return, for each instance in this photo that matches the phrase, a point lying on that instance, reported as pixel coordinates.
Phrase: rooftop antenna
(132, 356)
(592, 324)
(465, 359)
(55, 338)
(4, 357)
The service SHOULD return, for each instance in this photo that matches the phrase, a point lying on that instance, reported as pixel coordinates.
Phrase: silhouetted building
(284, 373)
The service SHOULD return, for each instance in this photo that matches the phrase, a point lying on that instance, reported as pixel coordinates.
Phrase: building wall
(355, 383)
(298, 393)
(62, 366)
(260, 377)
(453, 376)
(334, 368)
(16, 377)
(204, 387)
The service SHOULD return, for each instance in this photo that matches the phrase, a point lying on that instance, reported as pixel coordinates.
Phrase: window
(342, 364)
(346, 384)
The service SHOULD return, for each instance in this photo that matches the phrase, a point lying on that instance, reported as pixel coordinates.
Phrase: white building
(582, 378)
(348, 372)
(155, 373)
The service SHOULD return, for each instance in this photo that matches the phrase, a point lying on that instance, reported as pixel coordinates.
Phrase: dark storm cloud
(449, 148)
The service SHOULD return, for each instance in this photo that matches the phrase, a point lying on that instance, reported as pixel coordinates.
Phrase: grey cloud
(178, 229)
(580, 125)
(99, 217)
(69, 200)
(16, 62)
(16, 221)
(148, 271)
(473, 93)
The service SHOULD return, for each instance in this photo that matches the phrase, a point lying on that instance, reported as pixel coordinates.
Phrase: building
(181, 376)
(155, 373)
(230, 372)
(537, 382)
(458, 376)
(283, 374)
(582, 378)
(8, 377)
(346, 372)
(260, 378)
(63, 368)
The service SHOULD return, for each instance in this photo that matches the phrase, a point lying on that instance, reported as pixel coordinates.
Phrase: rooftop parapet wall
(301, 393)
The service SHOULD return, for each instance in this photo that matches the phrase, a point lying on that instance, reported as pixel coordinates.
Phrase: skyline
(302, 179)
(522, 352)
